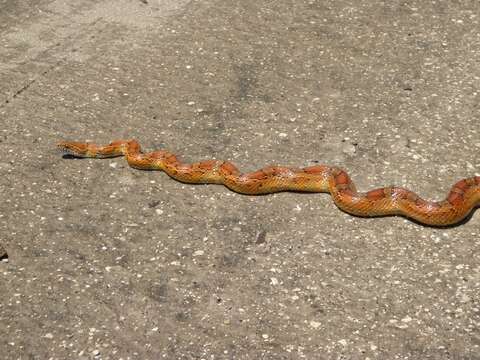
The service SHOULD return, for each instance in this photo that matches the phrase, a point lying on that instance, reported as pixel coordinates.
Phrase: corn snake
(459, 203)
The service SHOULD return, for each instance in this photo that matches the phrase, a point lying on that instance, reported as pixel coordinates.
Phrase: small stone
(198, 253)
(349, 149)
(3, 253)
(48, 336)
(261, 237)
(159, 211)
(343, 342)
(315, 324)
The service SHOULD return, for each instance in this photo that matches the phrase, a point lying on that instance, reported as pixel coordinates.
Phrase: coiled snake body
(462, 198)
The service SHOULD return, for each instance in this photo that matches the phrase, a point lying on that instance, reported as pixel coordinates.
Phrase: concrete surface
(106, 262)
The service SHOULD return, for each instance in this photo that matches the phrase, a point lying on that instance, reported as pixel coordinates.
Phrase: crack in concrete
(26, 86)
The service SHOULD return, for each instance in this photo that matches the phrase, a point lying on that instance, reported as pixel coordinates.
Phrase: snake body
(460, 201)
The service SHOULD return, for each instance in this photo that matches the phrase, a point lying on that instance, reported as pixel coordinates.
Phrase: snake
(460, 202)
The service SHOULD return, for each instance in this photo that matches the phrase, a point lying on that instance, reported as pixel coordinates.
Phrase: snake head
(76, 149)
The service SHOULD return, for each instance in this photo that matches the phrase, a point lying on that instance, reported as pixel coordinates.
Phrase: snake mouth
(69, 154)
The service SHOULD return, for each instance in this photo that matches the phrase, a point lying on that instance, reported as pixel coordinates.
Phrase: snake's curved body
(462, 198)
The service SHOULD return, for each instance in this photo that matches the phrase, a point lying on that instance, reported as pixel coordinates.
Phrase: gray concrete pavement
(106, 262)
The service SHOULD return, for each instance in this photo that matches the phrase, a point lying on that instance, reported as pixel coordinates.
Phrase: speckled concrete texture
(107, 262)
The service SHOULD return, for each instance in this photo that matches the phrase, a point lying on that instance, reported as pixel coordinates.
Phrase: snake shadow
(465, 220)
